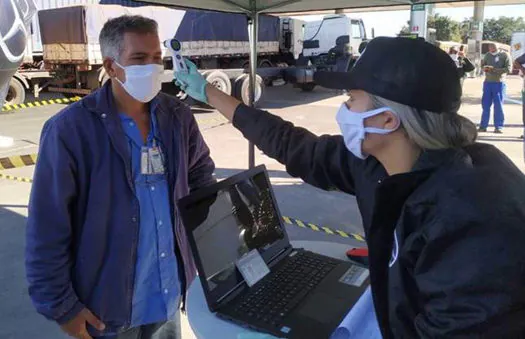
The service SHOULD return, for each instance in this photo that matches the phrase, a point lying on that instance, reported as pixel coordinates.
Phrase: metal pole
(253, 23)
(477, 33)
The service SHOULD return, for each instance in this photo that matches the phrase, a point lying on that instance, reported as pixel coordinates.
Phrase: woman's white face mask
(352, 125)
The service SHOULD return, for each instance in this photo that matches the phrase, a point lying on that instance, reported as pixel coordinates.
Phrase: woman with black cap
(452, 210)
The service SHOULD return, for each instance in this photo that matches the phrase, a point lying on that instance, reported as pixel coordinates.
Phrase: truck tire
(265, 63)
(307, 87)
(242, 88)
(219, 80)
(16, 93)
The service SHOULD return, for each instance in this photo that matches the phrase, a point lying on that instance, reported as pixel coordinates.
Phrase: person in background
(519, 63)
(463, 64)
(106, 254)
(443, 215)
(495, 65)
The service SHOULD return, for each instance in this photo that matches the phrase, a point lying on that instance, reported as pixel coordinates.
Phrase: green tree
(501, 29)
(446, 28)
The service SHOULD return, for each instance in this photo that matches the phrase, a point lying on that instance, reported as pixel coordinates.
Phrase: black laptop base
(296, 300)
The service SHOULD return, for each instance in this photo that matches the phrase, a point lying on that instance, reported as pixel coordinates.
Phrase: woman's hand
(192, 82)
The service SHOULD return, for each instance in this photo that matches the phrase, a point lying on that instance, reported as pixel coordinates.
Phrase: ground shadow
(468, 100)
(500, 139)
(506, 125)
(295, 97)
(19, 319)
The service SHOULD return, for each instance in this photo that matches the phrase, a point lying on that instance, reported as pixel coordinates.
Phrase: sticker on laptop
(355, 276)
(252, 267)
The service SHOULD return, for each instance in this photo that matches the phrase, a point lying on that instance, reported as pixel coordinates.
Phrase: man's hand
(76, 327)
(487, 69)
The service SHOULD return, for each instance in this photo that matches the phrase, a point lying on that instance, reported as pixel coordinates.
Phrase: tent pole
(253, 23)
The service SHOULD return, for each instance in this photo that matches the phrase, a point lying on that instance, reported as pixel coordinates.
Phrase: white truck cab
(321, 36)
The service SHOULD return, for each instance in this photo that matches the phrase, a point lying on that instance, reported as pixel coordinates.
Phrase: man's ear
(391, 120)
(109, 66)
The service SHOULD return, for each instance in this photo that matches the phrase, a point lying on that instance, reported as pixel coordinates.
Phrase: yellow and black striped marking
(324, 229)
(17, 161)
(30, 159)
(40, 103)
(12, 177)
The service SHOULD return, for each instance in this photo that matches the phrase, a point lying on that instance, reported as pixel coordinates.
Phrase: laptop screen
(228, 220)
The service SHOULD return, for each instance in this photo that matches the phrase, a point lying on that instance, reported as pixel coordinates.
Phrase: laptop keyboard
(273, 299)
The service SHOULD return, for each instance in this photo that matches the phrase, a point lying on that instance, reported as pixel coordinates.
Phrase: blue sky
(397, 19)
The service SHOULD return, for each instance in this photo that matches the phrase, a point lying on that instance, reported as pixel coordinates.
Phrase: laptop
(303, 294)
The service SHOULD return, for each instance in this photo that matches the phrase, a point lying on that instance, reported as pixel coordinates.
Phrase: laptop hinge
(278, 256)
(283, 253)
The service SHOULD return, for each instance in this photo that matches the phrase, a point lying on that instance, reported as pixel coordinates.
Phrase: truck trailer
(69, 61)
(216, 42)
(31, 75)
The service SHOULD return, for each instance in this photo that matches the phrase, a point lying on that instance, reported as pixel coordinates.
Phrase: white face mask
(353, 128)
(494, 53)
(142, 81)
(454, 57)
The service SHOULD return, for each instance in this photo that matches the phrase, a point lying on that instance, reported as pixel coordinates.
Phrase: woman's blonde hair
(429, 130)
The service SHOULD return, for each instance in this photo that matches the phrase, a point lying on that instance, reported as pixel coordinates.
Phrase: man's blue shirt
(157, 290)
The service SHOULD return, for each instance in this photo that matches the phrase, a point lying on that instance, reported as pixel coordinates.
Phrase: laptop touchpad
(323, 308)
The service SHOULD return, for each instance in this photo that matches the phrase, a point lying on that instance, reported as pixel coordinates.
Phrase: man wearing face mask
(495, 65)
(463, 64)
(443, 215)
(107, 255)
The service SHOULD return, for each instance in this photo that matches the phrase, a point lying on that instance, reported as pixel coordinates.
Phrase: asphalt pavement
(315, 111)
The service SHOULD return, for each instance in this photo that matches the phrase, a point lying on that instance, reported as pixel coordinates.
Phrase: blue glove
(254, 335)
(193, 83)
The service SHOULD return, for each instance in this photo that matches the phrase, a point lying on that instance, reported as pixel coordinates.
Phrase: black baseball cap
(408, 71)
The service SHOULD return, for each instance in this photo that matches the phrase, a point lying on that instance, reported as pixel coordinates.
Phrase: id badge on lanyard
(151, 160)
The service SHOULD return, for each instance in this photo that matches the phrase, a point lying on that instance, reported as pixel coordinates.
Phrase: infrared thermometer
(175, 47)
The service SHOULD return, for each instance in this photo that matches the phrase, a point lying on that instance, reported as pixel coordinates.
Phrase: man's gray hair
(429, 130)
(112, 34)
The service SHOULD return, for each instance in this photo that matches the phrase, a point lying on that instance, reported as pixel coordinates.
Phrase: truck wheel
(242, 88)
(265, 63)
(16, 93)
(308, 87)
(220, 81)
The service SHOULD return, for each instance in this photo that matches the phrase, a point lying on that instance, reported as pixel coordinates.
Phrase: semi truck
(336, 41)
(31, 75)
(71, 61)
(216, 42)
